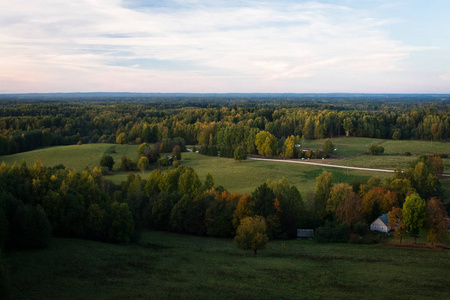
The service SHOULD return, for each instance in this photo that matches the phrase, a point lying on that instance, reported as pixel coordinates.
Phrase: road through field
(327, 165)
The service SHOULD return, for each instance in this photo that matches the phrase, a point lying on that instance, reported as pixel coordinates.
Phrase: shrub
(361, 228)
(107, 161)
(376, 149)
(407, 153)
(332, 233)
(162, 162)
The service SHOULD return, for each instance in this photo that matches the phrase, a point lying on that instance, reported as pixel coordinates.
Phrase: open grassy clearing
(172, 266)
(75, 157)
(246, 176)
(353, 152)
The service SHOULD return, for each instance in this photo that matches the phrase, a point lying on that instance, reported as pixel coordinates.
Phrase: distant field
(74, 156)
(170, 266)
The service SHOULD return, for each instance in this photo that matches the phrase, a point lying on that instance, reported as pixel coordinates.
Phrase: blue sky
(372, 46)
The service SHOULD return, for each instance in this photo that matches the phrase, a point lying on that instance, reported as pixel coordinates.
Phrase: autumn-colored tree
(289, 147)
(322, 193)
(251, 234)
(385, 200)
(266, 143)
(350, 210)
(437, 163)
(289, 206)
(395, 223)
(348, 126)
(414, 214)
(176, 152)
(437, 221)
(243, 209)
(338, 193)
(121, 138)
(219, 214)
(143, 163)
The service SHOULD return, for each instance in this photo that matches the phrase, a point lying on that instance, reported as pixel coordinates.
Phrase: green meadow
(170, 266)
(244, 177)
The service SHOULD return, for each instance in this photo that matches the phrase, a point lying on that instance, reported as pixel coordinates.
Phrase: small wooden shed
(380, 224)
(305, 233)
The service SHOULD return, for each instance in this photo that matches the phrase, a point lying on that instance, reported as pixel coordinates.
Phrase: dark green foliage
(29, 228)
(107, 161)
(361, 228)
(240, 153)
(120, 223)
(328, 147)
(376, 149)
(163, 162)
(5, 292)
(176, 152)
(332, 233)
(161, 209)
(71, 202)
(209, 181)
(188, 216)
(127, 164)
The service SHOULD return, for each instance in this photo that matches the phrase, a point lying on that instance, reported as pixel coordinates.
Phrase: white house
(380, 224)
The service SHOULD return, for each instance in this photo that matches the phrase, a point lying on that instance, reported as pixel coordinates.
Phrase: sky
(194, 46)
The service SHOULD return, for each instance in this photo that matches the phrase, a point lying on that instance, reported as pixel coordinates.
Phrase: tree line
(39, 202)
(225, 125)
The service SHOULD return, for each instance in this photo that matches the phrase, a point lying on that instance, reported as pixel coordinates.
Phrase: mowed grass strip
(167, 266)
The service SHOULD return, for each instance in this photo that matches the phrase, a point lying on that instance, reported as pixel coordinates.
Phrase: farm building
(380, 224)
(305, 233)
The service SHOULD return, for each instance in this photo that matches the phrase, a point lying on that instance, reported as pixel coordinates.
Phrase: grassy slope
(74, 156)
(246, 176)
(184, 267)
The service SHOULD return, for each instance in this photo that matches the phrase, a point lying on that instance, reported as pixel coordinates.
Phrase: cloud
(114, 45)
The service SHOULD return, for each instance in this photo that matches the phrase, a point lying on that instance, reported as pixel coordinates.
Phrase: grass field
(170, 266)
(244, 177)
(74, 157)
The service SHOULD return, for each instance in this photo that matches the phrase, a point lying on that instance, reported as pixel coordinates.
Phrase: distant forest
(225, 121)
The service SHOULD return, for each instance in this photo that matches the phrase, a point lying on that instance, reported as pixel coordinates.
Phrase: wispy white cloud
(189, 45)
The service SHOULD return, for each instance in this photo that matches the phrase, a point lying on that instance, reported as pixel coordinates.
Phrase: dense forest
(225, 123)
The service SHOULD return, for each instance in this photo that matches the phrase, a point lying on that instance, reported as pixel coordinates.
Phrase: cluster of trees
(225, 125)
(177, 200)
(38, 202)
(404, 196)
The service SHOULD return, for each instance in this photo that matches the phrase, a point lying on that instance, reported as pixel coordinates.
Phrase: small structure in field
(305, 233)
(380, 224)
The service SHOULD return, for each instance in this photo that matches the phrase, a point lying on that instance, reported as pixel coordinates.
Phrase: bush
(376, 149)
(162, 162)
(332, 233)
(361, 228)
(107, 161)
(407, 153)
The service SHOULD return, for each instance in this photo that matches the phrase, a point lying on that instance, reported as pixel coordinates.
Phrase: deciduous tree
(437, 221)
(414, 214)
(395, 222)
(251, 234)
